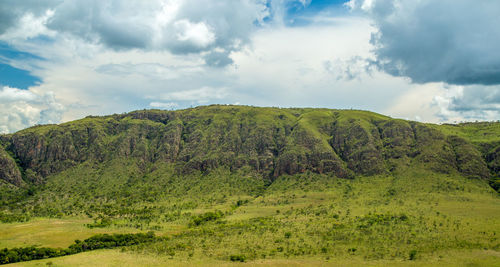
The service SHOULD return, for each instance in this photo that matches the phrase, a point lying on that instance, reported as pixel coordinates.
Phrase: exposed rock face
(398, 139)
(359, 146)
(493, 160)
(9, 171)
(469, 160)
(271, 141)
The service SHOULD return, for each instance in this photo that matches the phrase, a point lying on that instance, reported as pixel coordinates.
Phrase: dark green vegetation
(94, 242)
(242, 183)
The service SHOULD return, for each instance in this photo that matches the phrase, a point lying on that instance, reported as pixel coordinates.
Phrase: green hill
(241, 183)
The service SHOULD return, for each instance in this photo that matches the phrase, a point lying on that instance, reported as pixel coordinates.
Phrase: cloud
(218, 59)
(105, 57)
(349, 69)
(151, 70)
(163, 105)
(12, 11)
(21, 108)
(178, 26)
(196, 35)
(449, 41)
(475, 102)
(200, 96)
(8, 95)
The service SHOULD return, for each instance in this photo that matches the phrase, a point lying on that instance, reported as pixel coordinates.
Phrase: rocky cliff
(270, 141)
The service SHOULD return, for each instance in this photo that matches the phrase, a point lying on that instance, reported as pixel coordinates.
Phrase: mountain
(270, 141)
(236, 183)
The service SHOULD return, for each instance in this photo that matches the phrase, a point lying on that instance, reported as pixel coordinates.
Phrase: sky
(422, 60)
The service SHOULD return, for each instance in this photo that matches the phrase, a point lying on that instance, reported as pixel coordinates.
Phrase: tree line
(99, 241)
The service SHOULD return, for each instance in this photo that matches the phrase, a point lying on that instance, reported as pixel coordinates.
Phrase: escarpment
(270, 141)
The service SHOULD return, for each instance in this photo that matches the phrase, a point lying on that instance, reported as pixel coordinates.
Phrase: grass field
(50, 232)
(108, 258)
(411, 218)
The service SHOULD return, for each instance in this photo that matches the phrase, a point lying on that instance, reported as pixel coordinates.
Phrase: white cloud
(198, 34)
(21, 108)
(200, 96)
(9, 94)
(163, 105)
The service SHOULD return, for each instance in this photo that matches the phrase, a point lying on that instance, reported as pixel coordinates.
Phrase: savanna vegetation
(95, 242)
(225, 184)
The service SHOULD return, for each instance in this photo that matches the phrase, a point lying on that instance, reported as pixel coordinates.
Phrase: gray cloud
(452, 41)
(181, 27)
(12, 10)
(116, 24)
(485, 98)
(474, 102)
(218, 59)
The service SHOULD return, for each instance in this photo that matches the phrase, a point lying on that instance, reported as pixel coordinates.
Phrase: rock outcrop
(270, 141)
(9, 170)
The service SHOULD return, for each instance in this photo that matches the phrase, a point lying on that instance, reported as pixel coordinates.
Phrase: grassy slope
(475, 132)
(451, 220)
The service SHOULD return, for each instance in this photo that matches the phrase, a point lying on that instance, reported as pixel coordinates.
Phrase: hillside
(270, 141)
(245, 183)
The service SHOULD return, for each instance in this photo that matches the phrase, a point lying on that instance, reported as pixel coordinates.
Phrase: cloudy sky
(425, 60)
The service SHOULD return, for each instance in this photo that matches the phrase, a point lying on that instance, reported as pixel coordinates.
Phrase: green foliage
(495, 183)
(206, 217)
(413, 255)
(100, 223)
(240, 258)
(110, 241)
(13, 217)
(95, 242)
(30, 253)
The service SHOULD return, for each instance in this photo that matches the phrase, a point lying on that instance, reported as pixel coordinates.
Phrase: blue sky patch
(299, 15)
(12, 76)
(18, 78)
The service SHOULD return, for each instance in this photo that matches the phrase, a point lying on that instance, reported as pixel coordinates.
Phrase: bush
(102, 223)
(206, 217)
(13, 217)
(95, 242)
(240, 258)
(413, 255)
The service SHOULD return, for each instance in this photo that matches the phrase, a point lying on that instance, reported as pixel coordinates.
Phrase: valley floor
(109, 258)
(416, 218)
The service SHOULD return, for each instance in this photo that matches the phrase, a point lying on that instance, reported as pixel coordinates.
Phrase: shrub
(288, 234)
(240, 258)
(95, 242)
(206, 217)
(413, 255)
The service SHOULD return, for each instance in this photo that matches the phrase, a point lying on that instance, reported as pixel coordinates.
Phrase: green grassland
(306, 219)
(108, 258)
(50, 232)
